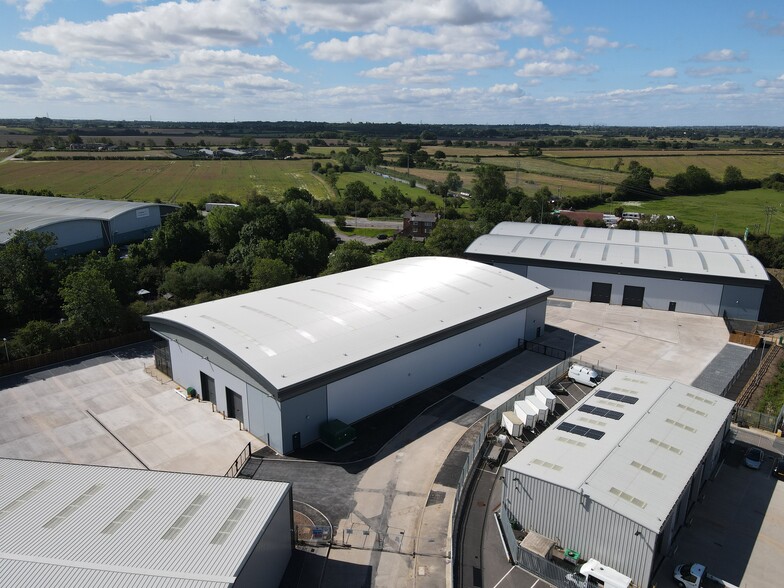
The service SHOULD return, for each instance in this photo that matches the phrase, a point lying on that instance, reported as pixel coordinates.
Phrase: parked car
(754, 458)
(778, 468)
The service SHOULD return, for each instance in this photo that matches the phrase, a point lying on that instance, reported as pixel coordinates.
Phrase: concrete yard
(107, 410)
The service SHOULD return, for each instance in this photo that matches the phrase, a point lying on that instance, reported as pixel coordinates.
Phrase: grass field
(752, 165)
(733, 211)
(376, 183)
(170, 181)
(140, 154)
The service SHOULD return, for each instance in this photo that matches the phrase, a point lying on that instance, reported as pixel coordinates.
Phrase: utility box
(512, 423)
(526, 413)
(336, 434)
(544, 394)
(541, 408)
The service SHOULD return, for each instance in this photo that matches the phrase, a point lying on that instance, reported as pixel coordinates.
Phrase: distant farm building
(80, 225)
(418, 225)
(697, 274)
(286, 360)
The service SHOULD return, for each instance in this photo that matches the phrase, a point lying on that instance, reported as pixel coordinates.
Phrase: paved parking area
(107, 410)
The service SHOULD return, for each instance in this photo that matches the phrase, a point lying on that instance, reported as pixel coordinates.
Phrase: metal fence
(546, 350)
(750, 418)
(482, 427)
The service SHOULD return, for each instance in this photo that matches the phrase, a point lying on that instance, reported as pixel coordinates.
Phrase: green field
(170, 181)
(732, 211)
(752, 165)
(376, 183)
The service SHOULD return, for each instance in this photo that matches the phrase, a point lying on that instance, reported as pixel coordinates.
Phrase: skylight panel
(129, 511)
(231, 522)
(23, 498)
(183, 520)
(73, 507)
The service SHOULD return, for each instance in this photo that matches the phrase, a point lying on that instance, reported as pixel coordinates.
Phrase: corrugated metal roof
(612, 255)
(93, 526)
(23, 213)
(338, 320)
(642, 461)
(622, 237)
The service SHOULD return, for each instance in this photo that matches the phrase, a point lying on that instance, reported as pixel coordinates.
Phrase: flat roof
(79, 525)
(295, 333)
(622, 237)
(632, 444)
(695, 262)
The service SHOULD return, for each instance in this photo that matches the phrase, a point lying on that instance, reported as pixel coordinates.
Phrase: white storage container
(526, 413)
(544, 394)
(512, 423)
(540, 406)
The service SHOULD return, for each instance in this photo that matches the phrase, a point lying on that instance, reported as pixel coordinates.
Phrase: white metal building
(697, 274)
(80, 225)
(614, 477)
(344, 346)
(71, 525)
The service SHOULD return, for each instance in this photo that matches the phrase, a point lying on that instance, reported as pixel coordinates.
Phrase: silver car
(754, 458)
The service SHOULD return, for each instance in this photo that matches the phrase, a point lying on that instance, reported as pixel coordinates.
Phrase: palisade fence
(491, 420)
(750, 418)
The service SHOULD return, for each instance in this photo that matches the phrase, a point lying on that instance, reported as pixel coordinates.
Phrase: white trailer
(512, 423)
(544, 394)
(526, 413)
(540, 407)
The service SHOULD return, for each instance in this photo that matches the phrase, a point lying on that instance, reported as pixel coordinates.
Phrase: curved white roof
(653, 434)
(694, 262)
(297, 332)
(622, 237)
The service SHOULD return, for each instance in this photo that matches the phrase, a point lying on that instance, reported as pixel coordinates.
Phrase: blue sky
(685, 62)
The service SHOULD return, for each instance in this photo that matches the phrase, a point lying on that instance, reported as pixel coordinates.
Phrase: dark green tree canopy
(489, 185)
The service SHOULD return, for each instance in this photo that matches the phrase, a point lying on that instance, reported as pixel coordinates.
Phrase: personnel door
(207, 387)
(633, 295)
(601, 292)
(234, 405)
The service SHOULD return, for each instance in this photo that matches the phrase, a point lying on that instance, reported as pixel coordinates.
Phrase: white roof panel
(92, 526)
(635, 459)
(338, 320)
(612, 255)
(622, 237)
(68, 207)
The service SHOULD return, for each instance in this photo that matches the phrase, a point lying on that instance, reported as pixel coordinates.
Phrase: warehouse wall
(266, 564)
(741, 303)
(304, 414)
(367, 392)
(577, 522)
(74, 237)
(134, 225)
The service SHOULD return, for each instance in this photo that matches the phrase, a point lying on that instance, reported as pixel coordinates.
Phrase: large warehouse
(286, 360)
(614, 477)
(80, 225)
(71, 525)
(697, 274)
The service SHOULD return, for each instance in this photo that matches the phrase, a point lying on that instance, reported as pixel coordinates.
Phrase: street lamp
(5, 344)
(573, 338)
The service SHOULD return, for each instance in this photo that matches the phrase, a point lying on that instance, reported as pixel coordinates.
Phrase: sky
(587, 62)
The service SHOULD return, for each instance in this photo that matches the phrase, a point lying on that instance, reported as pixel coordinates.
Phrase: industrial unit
(80, 225)
(71, 525)
(341, 347)
(614, 477)
(697, 274)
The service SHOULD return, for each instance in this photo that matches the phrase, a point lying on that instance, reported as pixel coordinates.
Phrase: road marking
(504, 578)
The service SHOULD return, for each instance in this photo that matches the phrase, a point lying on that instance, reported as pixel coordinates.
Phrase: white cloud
(504, 89)
(395, 42)
(562, 54)
(595, 43)
(437, 62)
(539, 69)
(28, 8)
(719, 70)
(230, 61)
(761, 21)
(161, 31)
(666, 72)
(722, 55)
(31, 61)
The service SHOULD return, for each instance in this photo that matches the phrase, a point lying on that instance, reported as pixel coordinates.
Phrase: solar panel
(617, 397)
(582, 431)
(603, 412)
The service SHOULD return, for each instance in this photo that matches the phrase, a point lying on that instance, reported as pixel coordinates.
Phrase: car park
(753, 458)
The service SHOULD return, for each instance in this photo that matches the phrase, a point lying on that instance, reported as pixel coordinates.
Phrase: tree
(187, 280)
(439, 154)
(348, 256)
(301, 148)
(26, 277)
(400, 248)
(223, 225)
(35, 338)
(453, 182)
(695, 180)
(169, 142)
(268, 273)
(733, 177)
(489, 185)
(637, 184)
(306, 251)
(283, 149)
(90, 304)
(74, 138)
(450, 238)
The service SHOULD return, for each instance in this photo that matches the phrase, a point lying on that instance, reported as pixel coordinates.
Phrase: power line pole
(769, 212)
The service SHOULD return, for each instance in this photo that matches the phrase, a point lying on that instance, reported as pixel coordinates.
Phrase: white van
(594, 573)
(583, 375)
(631, 216)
